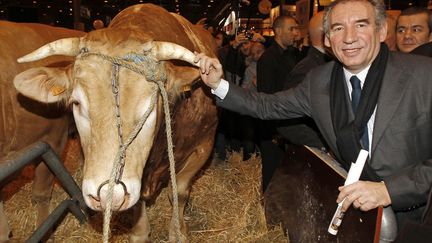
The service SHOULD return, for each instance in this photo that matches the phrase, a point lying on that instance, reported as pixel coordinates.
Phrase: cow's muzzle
(119, 200)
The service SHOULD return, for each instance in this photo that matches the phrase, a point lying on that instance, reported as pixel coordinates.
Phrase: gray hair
(378, 5)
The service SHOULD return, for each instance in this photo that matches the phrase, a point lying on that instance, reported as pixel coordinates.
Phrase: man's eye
(337, 29)
(361, 25)
(417, 30)
(400, 30)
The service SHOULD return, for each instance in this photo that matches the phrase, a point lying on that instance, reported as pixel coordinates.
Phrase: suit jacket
(423, 50)
(313, 59)
(402, 136)
(273, 66)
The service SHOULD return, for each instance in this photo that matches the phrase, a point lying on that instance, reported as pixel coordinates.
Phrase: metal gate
(75, 204)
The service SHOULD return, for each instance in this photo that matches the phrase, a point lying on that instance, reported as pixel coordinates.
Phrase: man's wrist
(222, 89)
(387, 195)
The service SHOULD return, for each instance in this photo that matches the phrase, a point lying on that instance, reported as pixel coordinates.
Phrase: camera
(247, 32)
(249, 35)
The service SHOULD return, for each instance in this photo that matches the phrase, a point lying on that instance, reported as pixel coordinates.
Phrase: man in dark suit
(390, 117)
(275, 63)
(303, 131)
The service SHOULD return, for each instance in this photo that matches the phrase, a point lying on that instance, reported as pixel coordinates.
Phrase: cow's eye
(73, 102)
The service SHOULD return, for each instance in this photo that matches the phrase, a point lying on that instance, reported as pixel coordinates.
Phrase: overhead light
(209, 6)
(49, 6)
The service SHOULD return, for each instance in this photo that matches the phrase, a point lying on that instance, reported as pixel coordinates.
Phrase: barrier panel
(75, 204)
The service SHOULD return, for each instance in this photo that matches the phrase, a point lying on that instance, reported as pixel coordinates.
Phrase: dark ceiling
(60, 12)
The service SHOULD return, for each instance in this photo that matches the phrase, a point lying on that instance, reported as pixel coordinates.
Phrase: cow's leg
(42, 190)
(184, 177)
(141, 230)
(4, 226)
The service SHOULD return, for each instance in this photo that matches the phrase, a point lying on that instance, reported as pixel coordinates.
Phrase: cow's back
(24, 121)
(160, 25)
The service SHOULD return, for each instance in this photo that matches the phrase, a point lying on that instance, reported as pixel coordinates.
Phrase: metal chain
(115, 91)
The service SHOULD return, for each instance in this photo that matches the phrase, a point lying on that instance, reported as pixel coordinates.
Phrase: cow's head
(87, 86)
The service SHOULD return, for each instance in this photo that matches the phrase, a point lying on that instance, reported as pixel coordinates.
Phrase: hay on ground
(225, 206)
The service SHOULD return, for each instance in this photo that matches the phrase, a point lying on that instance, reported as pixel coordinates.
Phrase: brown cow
(25, 121)
(88, 87)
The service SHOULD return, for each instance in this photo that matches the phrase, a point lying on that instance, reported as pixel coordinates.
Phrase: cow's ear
(44, 84)
(180, 78)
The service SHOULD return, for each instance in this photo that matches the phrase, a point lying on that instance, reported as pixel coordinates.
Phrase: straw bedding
(225, 206)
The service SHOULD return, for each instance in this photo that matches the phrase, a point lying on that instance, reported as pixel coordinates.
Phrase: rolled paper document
(353, 176)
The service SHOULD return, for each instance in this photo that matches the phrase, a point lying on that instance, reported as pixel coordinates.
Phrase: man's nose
(350, 35)
(408, 34)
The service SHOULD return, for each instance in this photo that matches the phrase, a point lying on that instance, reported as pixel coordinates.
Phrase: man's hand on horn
(210, 70)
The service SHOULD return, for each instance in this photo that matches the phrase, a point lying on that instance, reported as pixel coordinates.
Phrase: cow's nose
(119, 200)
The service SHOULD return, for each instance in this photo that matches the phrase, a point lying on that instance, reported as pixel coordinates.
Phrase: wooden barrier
(302, 196)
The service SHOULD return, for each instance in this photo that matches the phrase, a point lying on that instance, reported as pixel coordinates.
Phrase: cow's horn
(66, 47)
(171, 51)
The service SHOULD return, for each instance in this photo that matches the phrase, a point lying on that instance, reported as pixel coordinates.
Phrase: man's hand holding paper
(364, 195)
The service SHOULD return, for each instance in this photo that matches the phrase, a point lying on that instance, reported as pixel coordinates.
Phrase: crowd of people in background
(270, 64)
(370, 96)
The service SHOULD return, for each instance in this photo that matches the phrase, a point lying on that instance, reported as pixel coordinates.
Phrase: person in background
(370, 98)
(303, 131)
(276, 62)
(250, 76)
(317, 53)
(413, 30)
(229, 136)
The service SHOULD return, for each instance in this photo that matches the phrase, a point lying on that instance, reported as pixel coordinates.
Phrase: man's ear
(383, 31)
(327, 41)
(47, 85)
(277, 31)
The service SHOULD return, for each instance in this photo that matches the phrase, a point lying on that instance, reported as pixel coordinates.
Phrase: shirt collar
(361, 75)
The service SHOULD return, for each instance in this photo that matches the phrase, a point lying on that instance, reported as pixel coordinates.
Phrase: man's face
(288, 32)
(412, 31)
(353, 36)
(245, 48)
